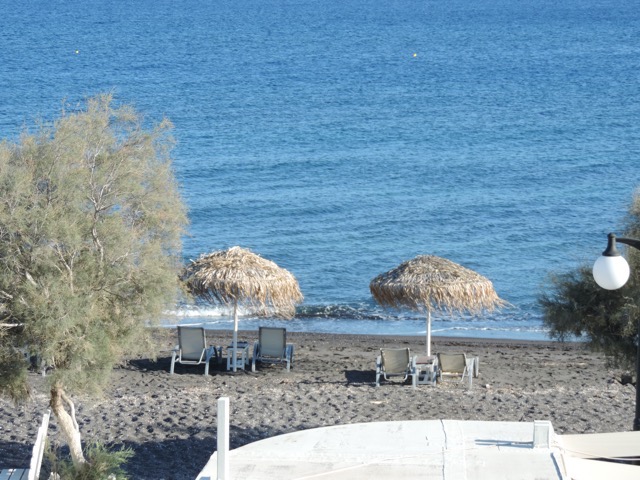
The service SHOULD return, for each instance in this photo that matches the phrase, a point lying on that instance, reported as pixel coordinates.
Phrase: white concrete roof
(429, 449)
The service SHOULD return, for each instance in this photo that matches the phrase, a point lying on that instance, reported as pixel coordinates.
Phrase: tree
(608, 319)
(90, 249)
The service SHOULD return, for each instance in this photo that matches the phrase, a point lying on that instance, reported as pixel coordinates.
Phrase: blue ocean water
(339, 138)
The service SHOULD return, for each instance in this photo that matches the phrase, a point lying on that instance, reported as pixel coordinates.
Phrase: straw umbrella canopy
(237, 276)
(427, 283)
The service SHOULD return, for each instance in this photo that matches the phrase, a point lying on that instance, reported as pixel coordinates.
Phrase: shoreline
(435, 337)
(163, 334)
(349, 326)
(446, 339)
(170, 420)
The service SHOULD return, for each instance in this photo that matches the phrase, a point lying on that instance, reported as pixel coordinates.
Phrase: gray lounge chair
(272, 347)
(192, 349)
(457, 365)
(394, 362)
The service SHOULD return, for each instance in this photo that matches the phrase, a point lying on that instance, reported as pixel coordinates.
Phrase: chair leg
(173, 362)
(289, 356)
(468, 371)
(254, 357)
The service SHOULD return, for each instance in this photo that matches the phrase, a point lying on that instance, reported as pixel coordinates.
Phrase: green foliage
(13, 373)
(90, 239)
(576, 306)
(102, 464)
(606, 319)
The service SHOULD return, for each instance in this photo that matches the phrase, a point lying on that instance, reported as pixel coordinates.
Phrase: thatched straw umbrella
(428, 283)
(240, 277)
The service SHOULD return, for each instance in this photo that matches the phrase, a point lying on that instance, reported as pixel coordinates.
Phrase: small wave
(360, 312)
(355, 312)
(474, 328)
(209, 311)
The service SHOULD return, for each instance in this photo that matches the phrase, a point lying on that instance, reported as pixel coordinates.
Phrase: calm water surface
(341, 138)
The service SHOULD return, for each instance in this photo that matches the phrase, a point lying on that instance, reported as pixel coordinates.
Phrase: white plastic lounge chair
(33, 472)
(456, 365)
(394, 362)
(192, 348)
(272, 347)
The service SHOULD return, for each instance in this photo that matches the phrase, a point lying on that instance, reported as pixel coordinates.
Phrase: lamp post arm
(612, 251)
(629, 241)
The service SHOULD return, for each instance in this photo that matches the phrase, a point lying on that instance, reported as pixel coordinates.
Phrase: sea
(339, 138)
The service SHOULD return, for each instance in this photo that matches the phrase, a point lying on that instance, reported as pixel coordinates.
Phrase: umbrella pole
(235, 334)
(428, 333)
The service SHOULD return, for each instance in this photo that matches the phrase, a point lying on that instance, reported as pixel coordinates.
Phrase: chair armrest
(413, 371)
(219, 353)
(210, 352)
(288, 350)
(471, 366)
(413, 367)
(378, 369)
(254, 358)
(175, 352)
(470, 369)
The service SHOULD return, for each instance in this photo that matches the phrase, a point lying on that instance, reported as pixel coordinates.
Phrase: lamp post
(611, 271)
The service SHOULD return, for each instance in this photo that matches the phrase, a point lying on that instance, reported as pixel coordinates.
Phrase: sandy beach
(170, 420)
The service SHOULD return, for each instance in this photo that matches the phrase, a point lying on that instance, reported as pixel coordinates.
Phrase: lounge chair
(457, 365)
(394, 362)
(192, 349)
(272, 347)
(33, 472)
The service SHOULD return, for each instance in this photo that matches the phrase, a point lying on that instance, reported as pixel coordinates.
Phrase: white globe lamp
(611, 270)
(611, 273)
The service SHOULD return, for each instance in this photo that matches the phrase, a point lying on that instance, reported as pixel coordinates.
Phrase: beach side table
(242, 355)
(426, 370)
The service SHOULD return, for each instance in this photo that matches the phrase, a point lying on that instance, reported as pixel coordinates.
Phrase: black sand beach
(170, 420)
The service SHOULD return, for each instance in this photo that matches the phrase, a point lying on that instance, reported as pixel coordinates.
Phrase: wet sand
(170, 420)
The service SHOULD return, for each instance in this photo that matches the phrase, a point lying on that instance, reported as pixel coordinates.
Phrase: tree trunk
(68, 424)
